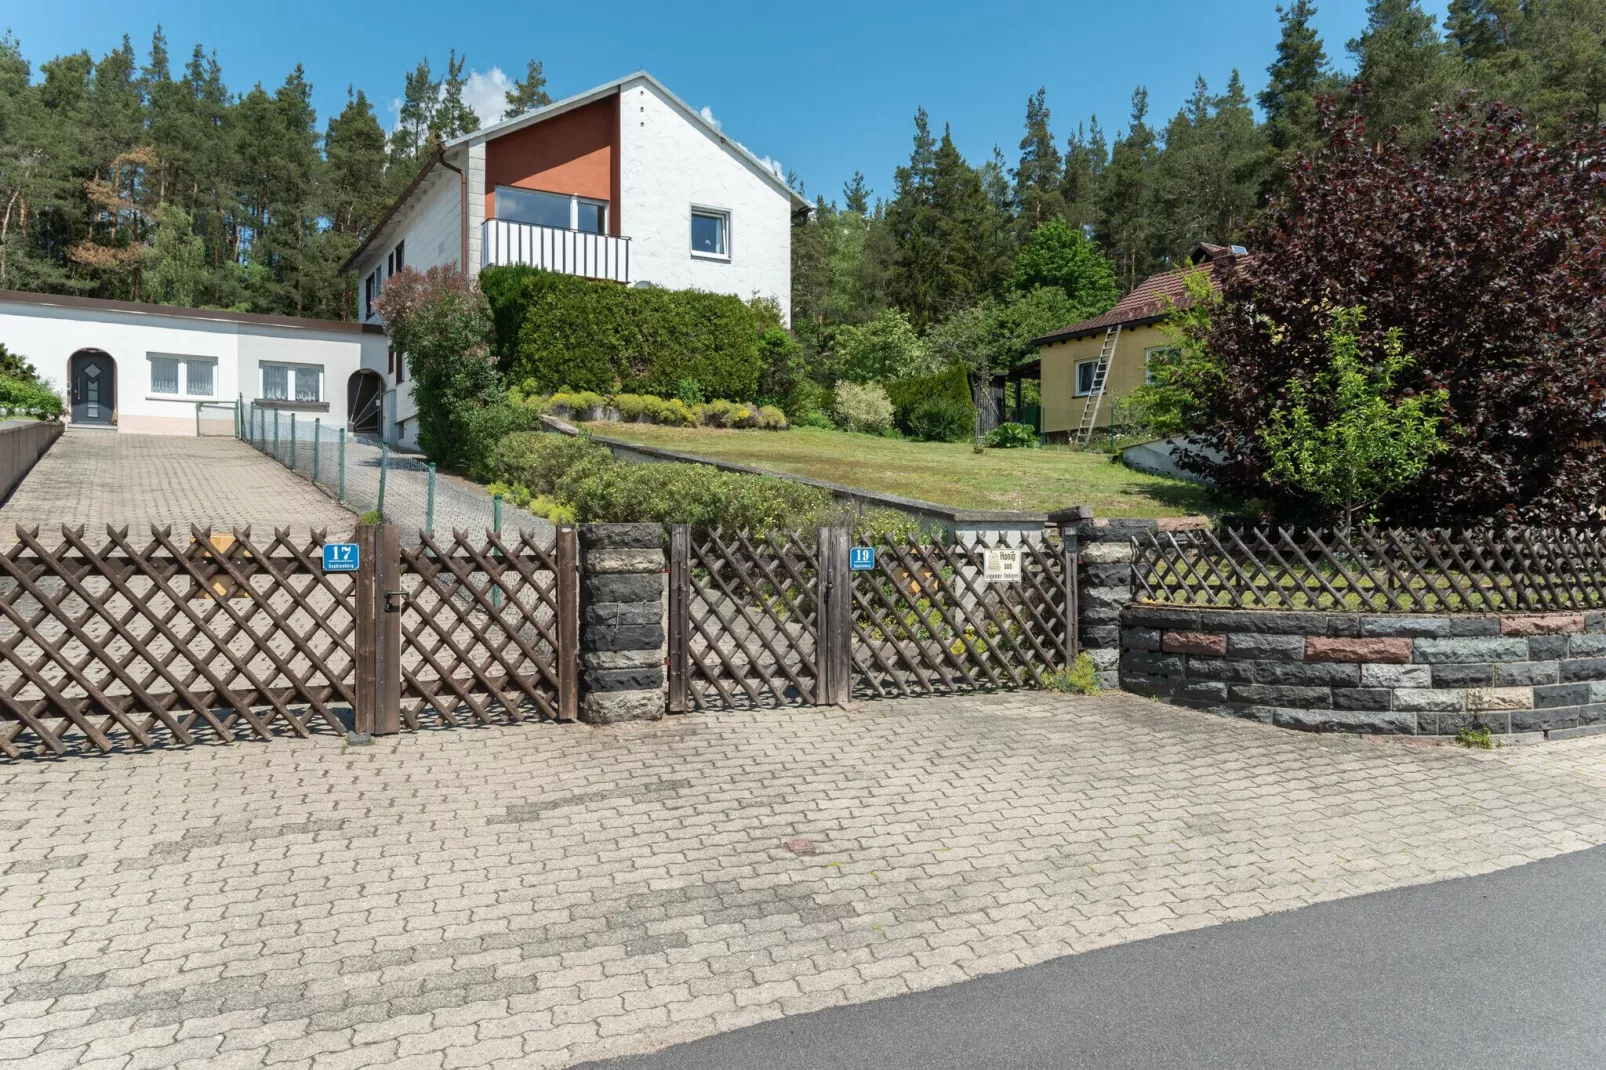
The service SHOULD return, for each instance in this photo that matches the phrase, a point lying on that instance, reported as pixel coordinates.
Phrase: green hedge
(566, 333)
(949, 389)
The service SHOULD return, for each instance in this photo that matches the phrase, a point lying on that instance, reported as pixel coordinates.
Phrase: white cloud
(486, 94)
(708, 116)
(773, 165)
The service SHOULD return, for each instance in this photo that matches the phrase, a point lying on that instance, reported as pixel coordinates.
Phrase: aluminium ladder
(1095, 396)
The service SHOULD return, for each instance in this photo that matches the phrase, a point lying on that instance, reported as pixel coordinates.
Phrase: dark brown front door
(94, 388)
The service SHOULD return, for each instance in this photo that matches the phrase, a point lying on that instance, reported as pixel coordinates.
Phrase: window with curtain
(275, 382)
(292, 382)
(164, 375)
(198, 378)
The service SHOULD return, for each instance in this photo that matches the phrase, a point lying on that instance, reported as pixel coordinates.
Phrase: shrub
(673, 412)
(781, 364)
(1013, 437)
(942, 419)
(580, 403)
(690, 391)
(634, 407)
(1082, 678)
(885, 348)
(22, 395)
(442, 322)
(771, 419)
(537, 460)
(1483, 249)
(481, 429)
(862, 408)
(563, 331)
(908, 394)
(814, 418)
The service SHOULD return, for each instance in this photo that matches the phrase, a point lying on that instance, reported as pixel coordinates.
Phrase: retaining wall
(1397, 674)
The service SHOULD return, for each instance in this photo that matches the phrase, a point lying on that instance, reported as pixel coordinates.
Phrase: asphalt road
(1504, 972)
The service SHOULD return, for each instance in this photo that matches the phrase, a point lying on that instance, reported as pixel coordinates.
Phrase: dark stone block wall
(1348, 672)
(622, 641)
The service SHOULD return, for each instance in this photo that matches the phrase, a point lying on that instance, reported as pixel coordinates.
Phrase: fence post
(292, 442)
(340, 496)
(679, 597)
(384, 466)
(378, 710)
(276, 435)
(568, 611)
(429, 502)
(832, 651)
(317, 444)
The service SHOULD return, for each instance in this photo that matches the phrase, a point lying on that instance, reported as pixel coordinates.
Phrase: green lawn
(1028, 480)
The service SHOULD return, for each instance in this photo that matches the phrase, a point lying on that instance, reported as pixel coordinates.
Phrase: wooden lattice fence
(1380, 570)
(112, 642)
(779, 620)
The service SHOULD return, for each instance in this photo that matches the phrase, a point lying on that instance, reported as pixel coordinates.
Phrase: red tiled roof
(1153, 299)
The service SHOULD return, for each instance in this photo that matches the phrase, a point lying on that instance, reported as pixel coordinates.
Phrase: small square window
(1157, 357)
(710, 233)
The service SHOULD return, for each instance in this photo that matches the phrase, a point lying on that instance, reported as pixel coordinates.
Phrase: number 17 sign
(340, 557)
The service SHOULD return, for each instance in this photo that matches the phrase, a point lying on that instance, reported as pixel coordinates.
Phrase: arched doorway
(365, 403)
(92, 377)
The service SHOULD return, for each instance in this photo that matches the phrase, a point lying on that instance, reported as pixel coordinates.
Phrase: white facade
(671, 163)
(175, 366)
(670, 166)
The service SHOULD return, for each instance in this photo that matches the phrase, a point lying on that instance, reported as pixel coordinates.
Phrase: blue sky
(824, 89)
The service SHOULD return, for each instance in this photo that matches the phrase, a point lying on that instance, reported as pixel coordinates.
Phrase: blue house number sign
(861, 558)
(340, 557)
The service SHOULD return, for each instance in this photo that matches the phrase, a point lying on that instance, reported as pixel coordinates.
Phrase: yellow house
(1128, 334)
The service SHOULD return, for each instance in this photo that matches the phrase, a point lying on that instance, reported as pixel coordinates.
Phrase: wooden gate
(180, 639)
(787, 620)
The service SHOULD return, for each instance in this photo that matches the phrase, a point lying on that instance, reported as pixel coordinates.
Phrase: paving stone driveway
(533, 896)
(97, 478)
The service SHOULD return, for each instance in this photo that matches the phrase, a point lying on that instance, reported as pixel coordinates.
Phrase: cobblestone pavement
(97, 478)
(534, 896)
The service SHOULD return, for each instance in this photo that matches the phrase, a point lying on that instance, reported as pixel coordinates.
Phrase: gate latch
(394, 601)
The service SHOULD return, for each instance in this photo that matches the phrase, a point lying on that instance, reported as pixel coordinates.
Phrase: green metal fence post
(429, 502)
(341, 495)
(276, 434)
(317, 444)
(292, 442)
(384, 466)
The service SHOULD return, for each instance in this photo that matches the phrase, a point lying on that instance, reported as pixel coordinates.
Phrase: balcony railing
(568, 252)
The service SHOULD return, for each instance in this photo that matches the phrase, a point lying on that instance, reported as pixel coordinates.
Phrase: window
(401, 249)
(710, 232)
(292, 382)
(557, 210)
(401, 367)
(1154, 358)
(191, 376)
(371, 291)
(164, 375)
(390, 265)
(1086, 370)
(532, 206)
(590, 216)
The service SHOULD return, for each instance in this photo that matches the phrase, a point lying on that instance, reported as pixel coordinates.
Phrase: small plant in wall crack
(1474, 737)
(1082, 678)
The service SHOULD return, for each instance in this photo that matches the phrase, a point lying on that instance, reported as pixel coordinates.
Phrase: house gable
(573, 153)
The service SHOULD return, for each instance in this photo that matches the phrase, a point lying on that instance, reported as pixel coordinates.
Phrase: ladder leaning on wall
(1095, 396)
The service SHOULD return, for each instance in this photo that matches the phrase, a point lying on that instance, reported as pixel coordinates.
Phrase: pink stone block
(1322, 648)
(1542, 624)
(1211, 644)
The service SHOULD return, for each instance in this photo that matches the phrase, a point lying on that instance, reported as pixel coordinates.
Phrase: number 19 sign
(861, 558)
(340, 557)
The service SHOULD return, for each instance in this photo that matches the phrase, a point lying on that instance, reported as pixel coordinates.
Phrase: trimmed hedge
(567, 333)
(941, 396)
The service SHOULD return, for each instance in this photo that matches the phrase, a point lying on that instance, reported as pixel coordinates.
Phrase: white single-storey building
(164, 370)
(624, 182)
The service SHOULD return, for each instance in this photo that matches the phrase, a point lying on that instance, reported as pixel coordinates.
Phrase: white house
(624, 182)
(163, 370)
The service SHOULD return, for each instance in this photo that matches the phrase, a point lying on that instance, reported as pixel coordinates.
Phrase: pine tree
(1405, 67)
(855, 194)
(1086, 156)
(528, 93)
(420, 97)
(1127, 197)
(453, 117)
(915, 281)
(1299, 73)
(1038, 176)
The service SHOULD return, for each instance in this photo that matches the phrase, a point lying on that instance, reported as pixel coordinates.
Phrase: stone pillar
(621, 623)
(1106, 582)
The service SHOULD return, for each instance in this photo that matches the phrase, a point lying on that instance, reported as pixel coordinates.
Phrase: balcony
(568, 252)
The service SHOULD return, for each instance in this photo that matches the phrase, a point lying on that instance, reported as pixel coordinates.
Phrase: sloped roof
(1155, 298)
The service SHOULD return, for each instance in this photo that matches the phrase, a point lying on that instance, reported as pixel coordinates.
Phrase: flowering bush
(862, 408)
